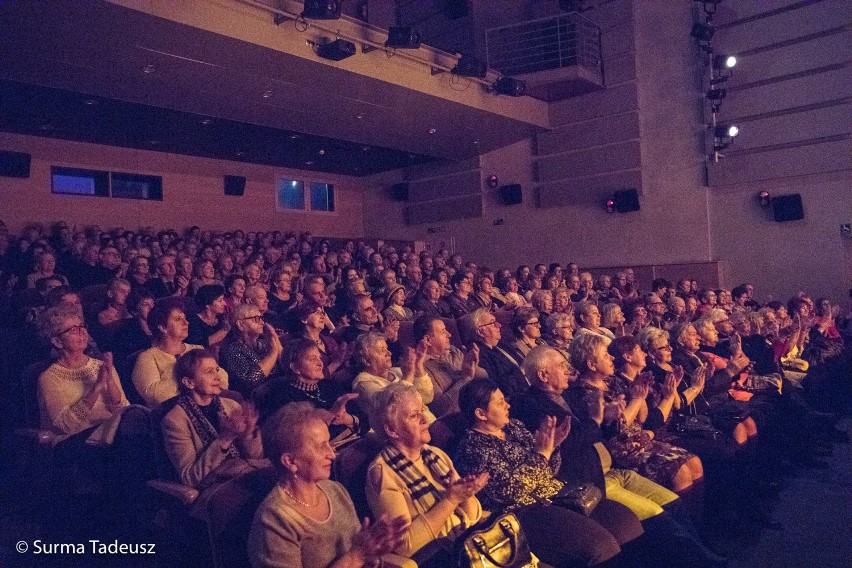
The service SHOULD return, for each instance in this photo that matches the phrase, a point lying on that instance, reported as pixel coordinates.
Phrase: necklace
(296, 499)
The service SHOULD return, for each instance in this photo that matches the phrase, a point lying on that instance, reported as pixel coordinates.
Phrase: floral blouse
(519, 475)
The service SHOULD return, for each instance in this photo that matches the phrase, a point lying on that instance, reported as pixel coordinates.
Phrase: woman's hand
(274, 340)
(545, 437)
(669, 386)
(339, 415)
(464, 488)
(112, 390)
(407, 364)
(639, 388)
(391, 330)
(240, 423)
(374, 540)
(420, 357)
(613, 410)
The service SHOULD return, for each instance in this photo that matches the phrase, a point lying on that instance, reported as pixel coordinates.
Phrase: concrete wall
(193, 192)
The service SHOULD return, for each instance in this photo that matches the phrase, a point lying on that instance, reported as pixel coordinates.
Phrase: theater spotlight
(610, 205)
(716, 95)
(322, 9)
(723, 68)
(726, 131)
(469, 66)
(764, 199)
(402, 38)
(336, 50)
(509, 86)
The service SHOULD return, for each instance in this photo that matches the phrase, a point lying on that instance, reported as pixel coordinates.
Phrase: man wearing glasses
(482, 329)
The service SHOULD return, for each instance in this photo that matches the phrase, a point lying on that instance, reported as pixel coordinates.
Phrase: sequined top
(519, 475)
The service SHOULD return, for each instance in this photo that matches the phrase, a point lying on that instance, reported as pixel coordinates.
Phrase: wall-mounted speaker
(14, 164)
(788, 207)
(235, 185)
(512, 194)
(399, 191)
(626, 200)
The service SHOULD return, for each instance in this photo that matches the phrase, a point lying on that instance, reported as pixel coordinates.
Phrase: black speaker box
(235, 185)
(626, 200)
(399, 191)
(337, 50)
(14, 164)
(787, 208)
(512, 194)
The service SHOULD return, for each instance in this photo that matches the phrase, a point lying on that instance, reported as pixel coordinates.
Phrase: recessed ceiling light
(359, 116)
(148, 69)
(46, 126)
(309, 163)
(365, 148)
(266, 94)
(90, 102)
(321, 152)
(240, 153)
(476, 142)
(205, 121)
(293, 136)
(432, 130)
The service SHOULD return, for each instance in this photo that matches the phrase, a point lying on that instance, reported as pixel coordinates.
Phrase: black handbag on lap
(581, 499)
(498, 542)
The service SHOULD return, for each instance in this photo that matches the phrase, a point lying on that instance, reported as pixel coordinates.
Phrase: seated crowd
(471, 392)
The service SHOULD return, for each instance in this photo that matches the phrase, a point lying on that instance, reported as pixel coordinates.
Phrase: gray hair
(583, 348)
(364, 345)
(537, 359)
(469, 324)
(716, 315)
(674, 300)
(647, 336)
(386, 405)
(52, 321)
(678, 331)
(252, 293)
(240, 312)
(284, 431)
(555, 320)
(583, 309)
(608, 313)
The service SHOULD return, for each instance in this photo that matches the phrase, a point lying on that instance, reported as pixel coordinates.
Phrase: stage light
(402, 38)
(724, 61)
(703, 32)
(764, 199)
(322, 9)
(726, 131)
(469, 66)
(716, 95)
(493, 182)
(509, 86)
(336, 50)
(610, 205)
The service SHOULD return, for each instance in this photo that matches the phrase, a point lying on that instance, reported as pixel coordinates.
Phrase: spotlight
(724, 62)
(716, 94)
(493, 182)
(469, 66)
(703, 32)
(610, 205)
(726, 131)
(322, 9)
(764, 199)
(402, 38)
(336, 50)
(509, 86)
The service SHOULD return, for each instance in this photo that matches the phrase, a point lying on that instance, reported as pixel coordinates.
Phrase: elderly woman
(396, 478)
(395, 309)
(630, 446)
(78, 395)
(562, 301)
(521, 478)
(235, 289)
(153, 375)
(373, 358)
(589, 320)
(45, 266)
(511, 291)
(209, 439)
(308, 520)
(205, 275)
(251, 354)
(209, 326)
(281, 296)
(134, 335)
(612, 318)
(526, 332)
(483, 288)
(305, 383)
(559, 331)
(542, 300)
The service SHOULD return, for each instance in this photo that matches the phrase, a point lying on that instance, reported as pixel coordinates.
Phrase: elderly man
(446, 365)
(257, 296)
(482, 329)
(167, 283)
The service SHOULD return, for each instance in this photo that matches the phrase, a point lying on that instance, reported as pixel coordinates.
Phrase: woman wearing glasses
(526, 329)
(252, 351)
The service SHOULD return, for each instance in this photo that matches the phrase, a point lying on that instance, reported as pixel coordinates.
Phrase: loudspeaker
(235, 185)
(399, 191)
(512, 194)
(322, 9)
(14, 164)
(626, 200)
(336, 50)
(787, 208)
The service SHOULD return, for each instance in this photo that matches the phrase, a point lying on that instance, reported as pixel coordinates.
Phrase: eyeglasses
(256, 319)
(495, 322)
(535, 323)
(666, 347)
(72, 329)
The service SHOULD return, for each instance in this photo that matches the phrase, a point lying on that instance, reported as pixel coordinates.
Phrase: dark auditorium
(425, 283)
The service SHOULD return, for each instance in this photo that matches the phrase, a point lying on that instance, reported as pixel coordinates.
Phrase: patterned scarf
(201, 425)
(423, 493)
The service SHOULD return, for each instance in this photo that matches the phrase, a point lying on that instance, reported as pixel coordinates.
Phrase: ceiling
(76, 69)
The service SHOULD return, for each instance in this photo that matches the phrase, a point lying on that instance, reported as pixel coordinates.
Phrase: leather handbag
(696, 425)
(581, 499)
(496, 543)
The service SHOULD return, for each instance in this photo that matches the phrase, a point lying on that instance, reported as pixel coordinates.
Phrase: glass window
(291, 194)
(75, 181)
(136, 186)
(322, 197)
